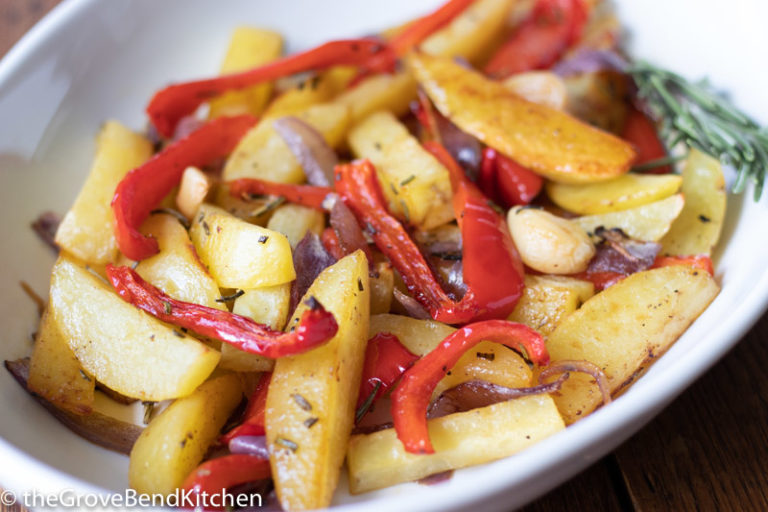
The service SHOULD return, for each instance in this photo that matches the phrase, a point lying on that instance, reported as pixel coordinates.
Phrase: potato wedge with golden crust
(697, 229)
(648, 222)
(548, 300)
(547, 141)
(463, 439)
(55, 373)
(176, 441)
(120, 345)
(86, 231)
(624, 328)
(628, 191)
(311, 400)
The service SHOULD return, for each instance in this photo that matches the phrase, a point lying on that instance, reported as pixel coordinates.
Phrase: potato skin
(547, 141)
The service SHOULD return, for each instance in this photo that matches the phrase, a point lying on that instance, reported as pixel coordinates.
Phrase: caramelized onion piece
(45, 226)
(478, 393)
(591, 61)
(344, 224)
(566, 366)
(619, 253)
(250, 445)
(97, 428)
(316, 157)
(411, 305)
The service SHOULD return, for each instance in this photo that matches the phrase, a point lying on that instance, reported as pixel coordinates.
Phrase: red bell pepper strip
(305, 195)
(601, 280)
(212, 478)
(640, 131)
(253, 418)
(169, 105)
(315, 328)
(515, 184)
(411, 398)
(552, 27)
(332, 244)
(701, 261)
(489, 256)
(385, 361)
(142, 189)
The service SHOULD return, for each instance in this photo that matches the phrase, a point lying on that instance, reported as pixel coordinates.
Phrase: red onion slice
(619, 253)
(45, 226)
(310, 149)
(411, 305)
(309, 259)
(566, 366)
(344, 223)
(477, 393)
(250, 445)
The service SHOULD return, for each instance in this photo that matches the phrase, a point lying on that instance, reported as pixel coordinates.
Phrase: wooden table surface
(707, 451)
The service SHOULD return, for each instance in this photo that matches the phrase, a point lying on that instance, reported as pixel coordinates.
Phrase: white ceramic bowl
(91, 60)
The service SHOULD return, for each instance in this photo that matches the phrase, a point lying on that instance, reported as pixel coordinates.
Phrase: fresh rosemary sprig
(693, 113)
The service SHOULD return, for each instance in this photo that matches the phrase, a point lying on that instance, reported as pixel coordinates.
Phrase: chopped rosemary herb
(287, 443)
(310, 422)
(167, 308)
(301, 402)
(704, 218)
(178, 334)
(271, 205)
(406, 212)
(230, 298)
(659, 162)
(394, 189)
(360, 284)
(173, 213)
(206, 228)
(367, 404)
(149, 410)
(85, 376)
(408, 180)
(263, 239)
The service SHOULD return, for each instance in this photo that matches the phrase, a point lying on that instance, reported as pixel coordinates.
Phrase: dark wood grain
(707, 451)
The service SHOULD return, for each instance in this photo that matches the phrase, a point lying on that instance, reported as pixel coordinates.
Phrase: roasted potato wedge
(697, 229)
(121, 346)
(55, 373)
(417, 187)
(311, 400)
(474, 437)
(649, 222)
(547, 141)
(548, 300)
(238, 254)
(628, 191)
(176, 441)
(86, 231)
(248, 48)
(624, 328)
(294, 221)
(263, 154)
(418, 336)
(382, 287)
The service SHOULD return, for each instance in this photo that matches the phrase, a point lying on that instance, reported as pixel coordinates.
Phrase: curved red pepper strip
(516, 184)
(215, 476)
(253, 418)
(169, 105)
(315, 328)
(701, 261)
(489, 256)
(411, 398)
(385, 361)
(553, 26)
(142, 189)
(305, 195)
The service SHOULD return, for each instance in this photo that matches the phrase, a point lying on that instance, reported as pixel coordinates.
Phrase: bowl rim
(625, 416)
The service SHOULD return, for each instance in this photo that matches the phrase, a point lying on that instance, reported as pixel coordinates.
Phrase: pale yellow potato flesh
(175, 442)
(649, 222)
(249, 48)
(308, 438)
(542, 87)
(382, 287)
(318, 89)
(176, 269)
(697, 229)
(624, 328)
(416, 185)
(622, 193)
(547, 141)
(268, 306)
(263, 154)
(384, 91)
(86, 231)
(548, 300)
(464, 439)
(295, 221)
(55, 373)
(418, 336)
(239, 254)
(120, 345)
